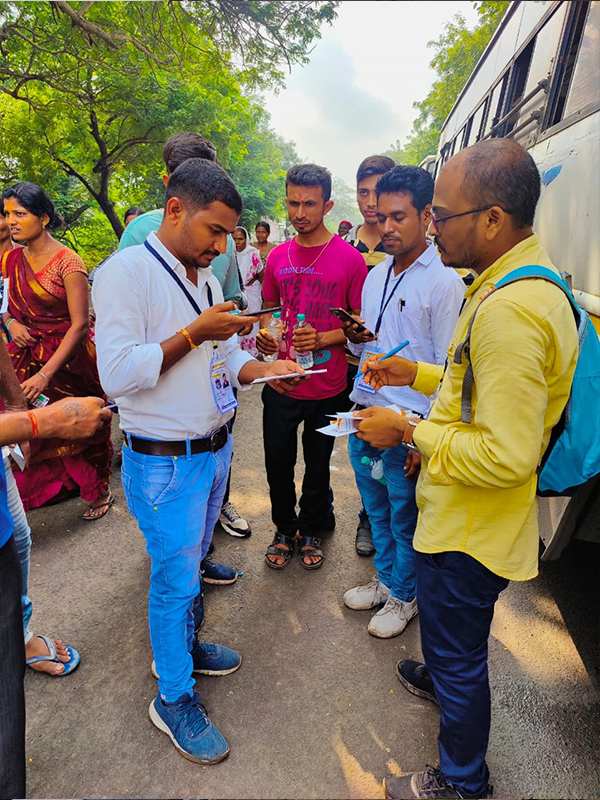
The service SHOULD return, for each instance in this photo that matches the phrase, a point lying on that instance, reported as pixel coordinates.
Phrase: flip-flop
(69, 666)
(106, 505)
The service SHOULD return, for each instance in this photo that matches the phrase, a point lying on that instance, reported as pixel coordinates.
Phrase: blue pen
(395, 350)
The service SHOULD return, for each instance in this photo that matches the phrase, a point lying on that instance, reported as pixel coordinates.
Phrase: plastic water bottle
(275, 329)
(376, 465)
(305, 359)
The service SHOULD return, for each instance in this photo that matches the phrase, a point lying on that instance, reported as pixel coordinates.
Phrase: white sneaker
(372, 594)
(233, 523)
(392, 618)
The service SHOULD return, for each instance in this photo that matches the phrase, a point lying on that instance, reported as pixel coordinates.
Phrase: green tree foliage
(345, 207)
(456, 54)
(91, 90)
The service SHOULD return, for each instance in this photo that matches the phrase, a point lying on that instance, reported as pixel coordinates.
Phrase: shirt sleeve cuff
(147, 363)
(355, 349)
(235, 363)
(428, 378)
(426, 437)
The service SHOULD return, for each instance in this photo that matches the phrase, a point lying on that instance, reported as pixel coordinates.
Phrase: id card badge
(221, 385)
(359, 381)
(4, 295)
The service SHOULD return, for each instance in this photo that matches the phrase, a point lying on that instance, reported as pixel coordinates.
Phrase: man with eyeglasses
(477, 528)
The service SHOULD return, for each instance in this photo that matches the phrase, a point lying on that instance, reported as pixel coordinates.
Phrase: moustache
(438, 245)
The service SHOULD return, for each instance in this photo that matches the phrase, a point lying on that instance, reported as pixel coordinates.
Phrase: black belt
(148, 447)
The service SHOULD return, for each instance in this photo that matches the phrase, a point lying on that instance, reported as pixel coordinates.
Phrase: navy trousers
(12, 672)
(456, 596)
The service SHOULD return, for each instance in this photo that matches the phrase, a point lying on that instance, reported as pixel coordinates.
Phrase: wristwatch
(407, 439)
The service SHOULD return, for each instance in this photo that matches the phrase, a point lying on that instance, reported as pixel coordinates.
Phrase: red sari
(57, 466)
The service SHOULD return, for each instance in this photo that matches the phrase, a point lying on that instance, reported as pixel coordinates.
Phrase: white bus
(538, 82)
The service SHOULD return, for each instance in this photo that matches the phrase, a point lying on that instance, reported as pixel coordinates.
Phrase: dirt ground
(315, 710)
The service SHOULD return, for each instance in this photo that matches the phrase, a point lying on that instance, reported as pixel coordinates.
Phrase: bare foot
(100, 506)
(278, 560)
(37, 647)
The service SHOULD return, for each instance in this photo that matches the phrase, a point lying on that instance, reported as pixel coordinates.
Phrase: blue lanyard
(385, 303)
(178, 280)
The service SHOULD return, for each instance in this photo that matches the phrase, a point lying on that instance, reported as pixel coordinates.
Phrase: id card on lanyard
(220, 382)
(369, 349)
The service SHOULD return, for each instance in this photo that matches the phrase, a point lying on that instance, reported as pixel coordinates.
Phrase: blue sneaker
(215, 659)
(198, 609)
(214, 572)
(211, 659)
(187, 725)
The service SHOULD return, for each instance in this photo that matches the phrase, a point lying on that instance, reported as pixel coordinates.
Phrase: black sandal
(281, 539)
(315, 545)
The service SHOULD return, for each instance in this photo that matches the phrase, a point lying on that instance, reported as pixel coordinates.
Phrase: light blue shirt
(224, 267)
(424, 309)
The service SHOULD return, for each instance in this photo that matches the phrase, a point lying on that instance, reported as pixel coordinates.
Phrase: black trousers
(281, 417)
(12, 672)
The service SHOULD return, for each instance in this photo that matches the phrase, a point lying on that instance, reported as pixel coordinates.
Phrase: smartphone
(346, 316)
(246, 313)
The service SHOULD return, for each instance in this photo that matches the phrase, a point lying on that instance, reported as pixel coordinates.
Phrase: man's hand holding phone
(219, 324)
(356, 331)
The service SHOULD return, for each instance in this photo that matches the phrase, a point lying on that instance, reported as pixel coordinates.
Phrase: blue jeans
(176, 501)
(22, 537)
(392, 510)
(456, 597)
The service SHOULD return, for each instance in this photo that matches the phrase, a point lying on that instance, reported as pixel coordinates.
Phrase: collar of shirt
(517, 254)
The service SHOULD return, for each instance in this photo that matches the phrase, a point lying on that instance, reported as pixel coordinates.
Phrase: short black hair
(263, 224)
(500, 172)
(408, 180)
(134, 211)
(181, 146)
(198, 183)
(374, 165)
(35, 200)
(310, 175)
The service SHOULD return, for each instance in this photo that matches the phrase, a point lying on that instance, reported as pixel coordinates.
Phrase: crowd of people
(182, 318)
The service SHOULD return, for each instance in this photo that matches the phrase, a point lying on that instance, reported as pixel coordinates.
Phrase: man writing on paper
(409, 296)
(165, 339)
(476, 494)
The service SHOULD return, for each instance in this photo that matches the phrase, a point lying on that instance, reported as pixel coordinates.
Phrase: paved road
(315, 711)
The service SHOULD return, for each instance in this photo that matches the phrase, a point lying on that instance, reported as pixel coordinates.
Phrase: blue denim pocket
(160, 475)
(126, 483)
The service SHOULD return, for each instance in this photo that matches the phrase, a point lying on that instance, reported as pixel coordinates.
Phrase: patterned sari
(57, 466)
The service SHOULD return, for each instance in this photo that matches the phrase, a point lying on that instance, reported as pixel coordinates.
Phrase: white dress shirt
(138, 305)
(424, 309)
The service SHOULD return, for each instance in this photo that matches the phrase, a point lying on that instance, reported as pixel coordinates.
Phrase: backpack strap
(522, 273)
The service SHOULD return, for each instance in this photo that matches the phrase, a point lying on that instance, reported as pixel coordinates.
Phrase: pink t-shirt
(335, 281)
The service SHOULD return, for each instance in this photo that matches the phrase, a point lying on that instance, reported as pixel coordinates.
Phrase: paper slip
(342, 426)
(288, 375)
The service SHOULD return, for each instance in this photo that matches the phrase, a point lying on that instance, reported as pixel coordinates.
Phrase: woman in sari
(262, 243)
(252, 274)
(52, 350)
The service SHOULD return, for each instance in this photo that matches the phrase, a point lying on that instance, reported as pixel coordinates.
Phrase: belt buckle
(214, 440)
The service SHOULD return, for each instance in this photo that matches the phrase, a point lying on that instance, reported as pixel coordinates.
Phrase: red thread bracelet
(34, 424)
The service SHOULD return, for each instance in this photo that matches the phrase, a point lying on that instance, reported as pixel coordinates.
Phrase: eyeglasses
(436, 220)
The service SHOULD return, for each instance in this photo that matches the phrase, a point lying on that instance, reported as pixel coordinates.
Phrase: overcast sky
(355, 97)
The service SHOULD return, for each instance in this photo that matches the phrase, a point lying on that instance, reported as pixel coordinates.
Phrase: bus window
(518, 80)
(495, 104)
(586, 77)
(578, 13)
